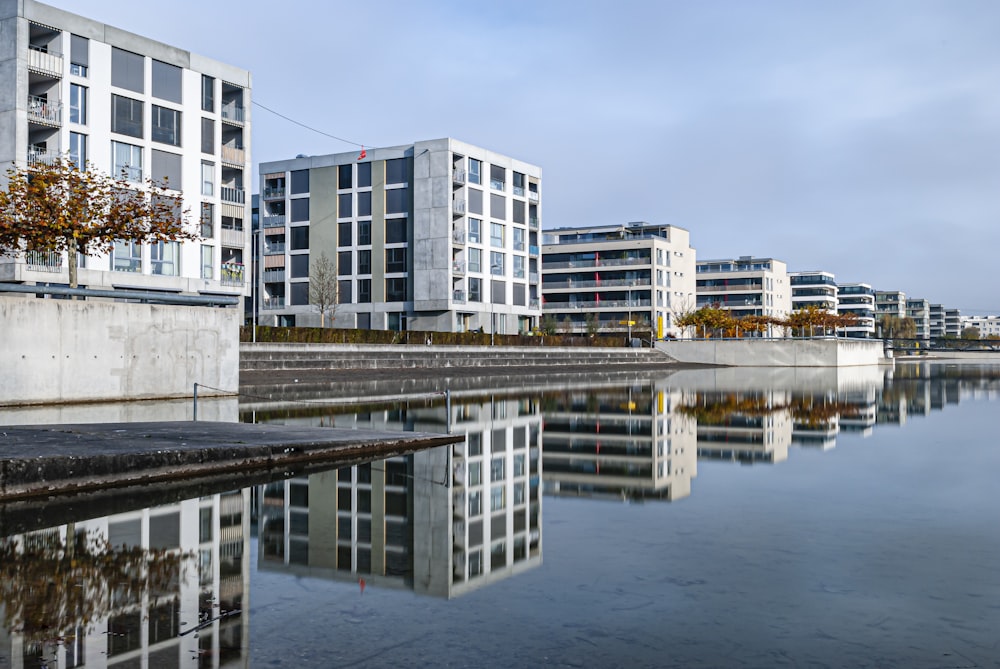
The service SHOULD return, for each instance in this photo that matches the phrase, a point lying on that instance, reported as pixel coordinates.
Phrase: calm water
(726, 518)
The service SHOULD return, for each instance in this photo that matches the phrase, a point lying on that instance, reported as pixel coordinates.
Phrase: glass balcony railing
(274, 193)
(232, 274)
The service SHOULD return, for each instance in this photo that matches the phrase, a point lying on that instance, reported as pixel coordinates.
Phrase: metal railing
(41, 60)
(274, 248)
(519, 191)
(274, 193)
(232, 274)
(274, 275)
(458, 267)
(603, 262)
(233, 112)
(458, 296)
(41, 157)
(533, 195)
(458, 206)
(43, 111)
(458, 236)
(43, 261)
(127, 172)
(497, 184)
(732, 288)
(274, 221)
(533, 222)
(234, 195)
(458, 176)
(127, 264)
(276, 302)
(595, 304)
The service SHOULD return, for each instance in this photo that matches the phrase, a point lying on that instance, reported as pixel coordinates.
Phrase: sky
(859, 138)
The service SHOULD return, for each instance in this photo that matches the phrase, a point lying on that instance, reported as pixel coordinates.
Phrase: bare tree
(323, 293)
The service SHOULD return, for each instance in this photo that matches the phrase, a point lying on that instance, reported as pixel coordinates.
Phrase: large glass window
(395, 231)
(475, 230)
(126, 256)
(165, 258)
(364, 175)
(475, 289)
(365, 261)
(518, 239)
(127, 70)
(345, 175)
(166, 125)
(475, 171)
(344, 235)
(77, 104)
(345, 205)
(496, 263)
(365, 203)
(300, 237)
(364, 291)
(395, 290)
(344, 263)
(496, 469)
(207, 220)
(126, 161)
(395, 260)
(126, 116)
(207, 135)
(299, 266)
(299, 182)
(364, 233)
(498, 497)
(396, 201)
(475, 201)
(498, 206)
(519, 184)
(299, 209)
(475, 260)
(207, 93)
(79, 55)
(518, 267)
(395, 171)
(207, 178)
(166, 81)
(496, 235)
(498, 177)
(78, 150)
(207, 261)
(166, 169)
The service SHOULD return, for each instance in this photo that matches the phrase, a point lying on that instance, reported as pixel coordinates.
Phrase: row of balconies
(573, 284)
(601, 262)
(598, 304)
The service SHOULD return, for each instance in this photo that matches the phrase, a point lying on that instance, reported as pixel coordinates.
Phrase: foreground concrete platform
(38, 460)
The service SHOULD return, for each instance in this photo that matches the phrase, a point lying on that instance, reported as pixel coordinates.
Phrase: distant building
(919, 310)
(936, 321)
(745, 286)
(952, 323)
(857, 299)
(890, 303)
(437, 235)
(609, 276)
(131, 107)
(988, 326)
(813, 289)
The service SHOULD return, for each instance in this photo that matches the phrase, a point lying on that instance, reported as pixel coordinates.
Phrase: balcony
(43, 62)
(458, 176)
(234, 114)
(458, 267)
(519, 191)
(574, 284)
(40, 156)
(458, 296)
(276, 221)
(276, 275)
(532, 277)
(533, 195)
(276, 302)
(497, 184)
(233, 195)
(232, 274)
(533, 222)
(602, 262)
(534, 303)
(274, 248)
(458, 236)
(597, 304)
(274, 193)
(534, 250)
(732, 288)
(41, 111)
(233, 238)
(233, 155)
(458, 207)
(43, 261)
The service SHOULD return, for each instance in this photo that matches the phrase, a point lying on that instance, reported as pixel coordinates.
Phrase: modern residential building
(813, 289)
(745, 286)
(437, 235)
(748, 427)
(919, 310)
(637, 275)
(857, 299)
(988, 326)
(936, 321)
(890, 303)
(129, 106)
(952, 323)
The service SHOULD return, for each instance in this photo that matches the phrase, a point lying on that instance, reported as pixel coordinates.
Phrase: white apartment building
(857, 299)
(129, 106)
(437, 235)
(606, 277)
(745, 286)
(919, 310)
(937, 329)
(988, 326)
(813, 289)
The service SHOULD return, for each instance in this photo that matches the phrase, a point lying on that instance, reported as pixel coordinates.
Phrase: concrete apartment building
(610, 276)
(937, 321)
(129, 106)
(988, 326)
(919, 310)
(437, 235)
(745, 286)
(890, 303)
(857, 299)
(813, 289)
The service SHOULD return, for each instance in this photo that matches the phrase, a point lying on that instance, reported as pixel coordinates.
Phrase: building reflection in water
(164, 586)
(441, 521)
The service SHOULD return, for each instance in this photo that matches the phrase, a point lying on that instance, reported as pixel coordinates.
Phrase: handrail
(126, 294)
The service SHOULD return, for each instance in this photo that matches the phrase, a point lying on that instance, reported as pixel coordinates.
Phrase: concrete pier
(38, 460)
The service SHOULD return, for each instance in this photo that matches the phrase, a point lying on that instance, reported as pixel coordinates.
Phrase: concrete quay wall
(59, 351)
(825, 352)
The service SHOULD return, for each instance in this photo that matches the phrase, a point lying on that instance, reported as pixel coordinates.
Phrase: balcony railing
(232, 274)
(532, 277)
(603, 283)
(233, 155)
(234, 113)
(43, 261)
(277, 221)
(518, 272)
(603, 262)
(458, 176)
(497, 184)
(534, 250)
(458, 236)
(534, 303)
(732, 288)
(519, 191)
(533, 222)
(234, 195)
(274, 275)
(458, 207)
(519, 245)
(276, 302)
(597, 304)
(274, 248)
(458, 267)
(45, 62)
(274, 193)
(40, 110)
(233, 238)
(533, 195)
(41, 157)
(458, 296)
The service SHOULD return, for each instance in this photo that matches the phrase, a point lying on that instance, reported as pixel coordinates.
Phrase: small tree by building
(323, 292)
(62, 209)
(971, 333)
(593, 323)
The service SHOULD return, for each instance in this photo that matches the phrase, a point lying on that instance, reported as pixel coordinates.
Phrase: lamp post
(255, 291)
(493, 326)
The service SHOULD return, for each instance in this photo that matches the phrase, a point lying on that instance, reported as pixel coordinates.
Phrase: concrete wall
(776, 352)
(57, 351)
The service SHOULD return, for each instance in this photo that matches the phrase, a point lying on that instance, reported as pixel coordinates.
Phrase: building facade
(857, 299)
(637, 275)
(988, 326)
(937, 321)
(135, 108)
(745, 286)
(919, 310)
(437, 235)
(813, 289)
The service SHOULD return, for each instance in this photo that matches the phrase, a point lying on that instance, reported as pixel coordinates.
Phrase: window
(126, 161)
(395, 260)
(207, 178)
(475, 503)
(498, 497)
(365, 262)
(364, 291)
(126, 256)
(77, 104)
(518, 239)
(396, 200)
(299, 182)
(498, 177)
(344, 231)
(519, 464)
(79, 55)
(78, 150)
(344, 205)
(364, 175)
(207, 135)
(518, 211)
(207, 261)
(496, 263)
(207, 220)
(518, 184)
(166, 81)
(166, 125)
(498, 206)
(207, 93)
(395, 231)
(475, 201)
(519, 492)
(496, 469)
(475, 230)
(518, 267)
(344, 263)
(365, 203)
(395, 171)
(299, 266)
(127, 70)
(475, 171)
(496, 235)
(299, 293)
(126, 116)
(475, 260)
(166, 169)
(364, 233)
(165, 258)
(475, 290)
(344, 292)
(300, 238)
(344, 174)
(395, 290)
(299, 210)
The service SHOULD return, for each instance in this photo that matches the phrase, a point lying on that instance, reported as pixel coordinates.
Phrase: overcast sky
(861, 138)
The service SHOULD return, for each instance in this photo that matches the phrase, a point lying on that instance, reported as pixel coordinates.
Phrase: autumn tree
(971, 333)
(323, 292)
(896, 326)
(709, 320)
(62, 209)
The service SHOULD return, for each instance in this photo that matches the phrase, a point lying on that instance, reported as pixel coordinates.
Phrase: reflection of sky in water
(881, 552)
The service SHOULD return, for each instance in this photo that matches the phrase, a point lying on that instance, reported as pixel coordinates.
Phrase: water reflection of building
(171, 590)
(624, 443)
(442, 521)
(746, 427)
